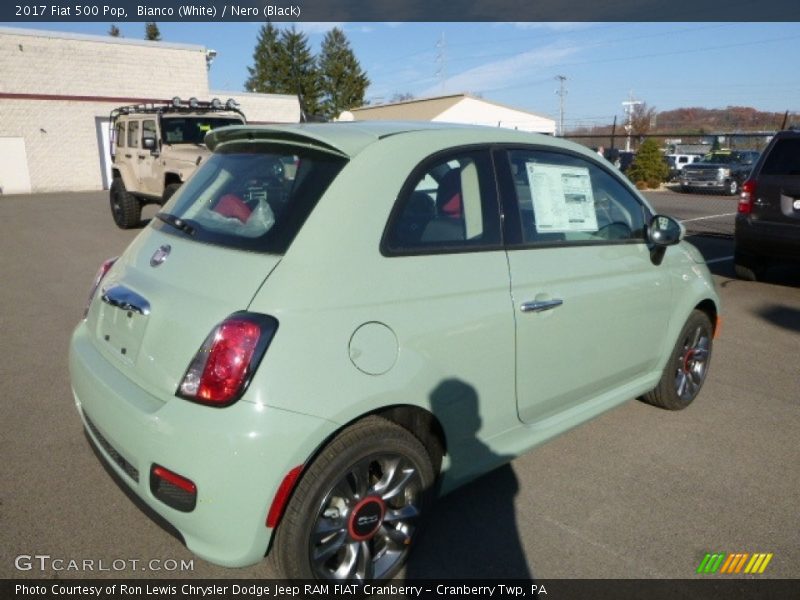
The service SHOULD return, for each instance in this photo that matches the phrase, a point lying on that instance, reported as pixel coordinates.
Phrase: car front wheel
(687, 367)
(358, 506)
(732, 187)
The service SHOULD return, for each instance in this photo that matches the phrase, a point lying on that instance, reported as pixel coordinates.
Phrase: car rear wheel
(125, 207)
(687, 367)
(749, 268)
(358, 506)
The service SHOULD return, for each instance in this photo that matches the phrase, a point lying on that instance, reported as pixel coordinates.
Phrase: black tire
(125, 207)
(687, 366)
(685, 189)
(732, 187)
(749, 268)
(332, 520)
(169, 190)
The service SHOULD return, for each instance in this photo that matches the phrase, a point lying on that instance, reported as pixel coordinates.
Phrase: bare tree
(643, 118)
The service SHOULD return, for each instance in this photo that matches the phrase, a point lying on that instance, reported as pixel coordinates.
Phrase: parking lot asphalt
(637, 493)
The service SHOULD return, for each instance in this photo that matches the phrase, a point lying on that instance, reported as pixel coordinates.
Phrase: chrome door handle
(541, 305)
(126, 299)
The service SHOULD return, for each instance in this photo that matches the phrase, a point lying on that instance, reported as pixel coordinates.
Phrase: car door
(591, 307)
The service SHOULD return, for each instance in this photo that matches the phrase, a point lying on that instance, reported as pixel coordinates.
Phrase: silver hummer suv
(156, 147)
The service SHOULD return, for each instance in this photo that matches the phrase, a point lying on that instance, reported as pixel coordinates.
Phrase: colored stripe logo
(733, 563)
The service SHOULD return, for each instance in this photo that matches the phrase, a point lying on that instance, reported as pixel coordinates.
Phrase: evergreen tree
(151, 32)
(649, 167)
(267, 59)
(113, 31)
(298, 71)
(342, 80)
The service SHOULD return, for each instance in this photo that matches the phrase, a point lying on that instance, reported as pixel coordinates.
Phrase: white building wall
(57, 90)
(61, 141)
(45, 70)
(41, 62)
(477, 112)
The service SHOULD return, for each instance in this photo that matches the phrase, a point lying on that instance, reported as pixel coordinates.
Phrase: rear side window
(448, 204)
(783, 159)
(252, 200)
(133, 134)
(148, 129)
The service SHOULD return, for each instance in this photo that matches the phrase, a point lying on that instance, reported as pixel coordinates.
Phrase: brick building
(57, 90)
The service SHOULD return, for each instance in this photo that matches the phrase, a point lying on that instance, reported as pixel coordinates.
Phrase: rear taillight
(746, 197)
(101, 273)
(221, 370)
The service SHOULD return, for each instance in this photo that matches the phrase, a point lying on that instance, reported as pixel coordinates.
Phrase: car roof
(350, 138)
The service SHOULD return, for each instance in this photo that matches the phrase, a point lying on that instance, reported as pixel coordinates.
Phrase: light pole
(561, 93)
(629, 106)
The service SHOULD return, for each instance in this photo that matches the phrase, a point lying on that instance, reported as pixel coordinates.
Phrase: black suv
(768, 218)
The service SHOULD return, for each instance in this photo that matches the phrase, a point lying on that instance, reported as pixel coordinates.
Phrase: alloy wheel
(366, 520)
(692, 364)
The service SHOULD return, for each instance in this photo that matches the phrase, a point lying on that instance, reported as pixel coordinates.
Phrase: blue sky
(667, 65)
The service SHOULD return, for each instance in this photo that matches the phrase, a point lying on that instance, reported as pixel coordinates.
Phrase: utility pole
(561, 93)
(629, 106)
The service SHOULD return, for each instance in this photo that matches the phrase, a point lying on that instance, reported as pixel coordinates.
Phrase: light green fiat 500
(331, 324)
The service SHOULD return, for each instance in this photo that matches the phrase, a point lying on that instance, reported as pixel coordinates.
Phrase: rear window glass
(252, 200)
(783, 159)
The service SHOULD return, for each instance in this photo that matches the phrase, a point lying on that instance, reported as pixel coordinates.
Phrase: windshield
(252, 200)
(192, 130)
(723, 158)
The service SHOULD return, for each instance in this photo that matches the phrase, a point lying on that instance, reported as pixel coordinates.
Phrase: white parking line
(708, 217)
(716, 260)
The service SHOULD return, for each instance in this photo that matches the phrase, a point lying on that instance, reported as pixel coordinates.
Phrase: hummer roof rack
(176, 105)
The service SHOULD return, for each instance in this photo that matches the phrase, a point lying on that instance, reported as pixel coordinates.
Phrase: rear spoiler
(273, 135)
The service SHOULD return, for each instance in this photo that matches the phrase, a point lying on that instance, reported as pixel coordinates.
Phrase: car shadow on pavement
(472, 532)
(782, 316)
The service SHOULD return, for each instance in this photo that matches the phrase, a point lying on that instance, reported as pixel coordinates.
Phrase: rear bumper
(236, 456)
(767, 239)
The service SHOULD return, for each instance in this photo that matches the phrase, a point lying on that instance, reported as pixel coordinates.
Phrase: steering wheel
(616, 230)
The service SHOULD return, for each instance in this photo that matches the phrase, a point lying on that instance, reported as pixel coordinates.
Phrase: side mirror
(149, 143)
(665, 231)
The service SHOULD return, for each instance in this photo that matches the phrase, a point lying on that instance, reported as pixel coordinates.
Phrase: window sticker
(562, 198)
